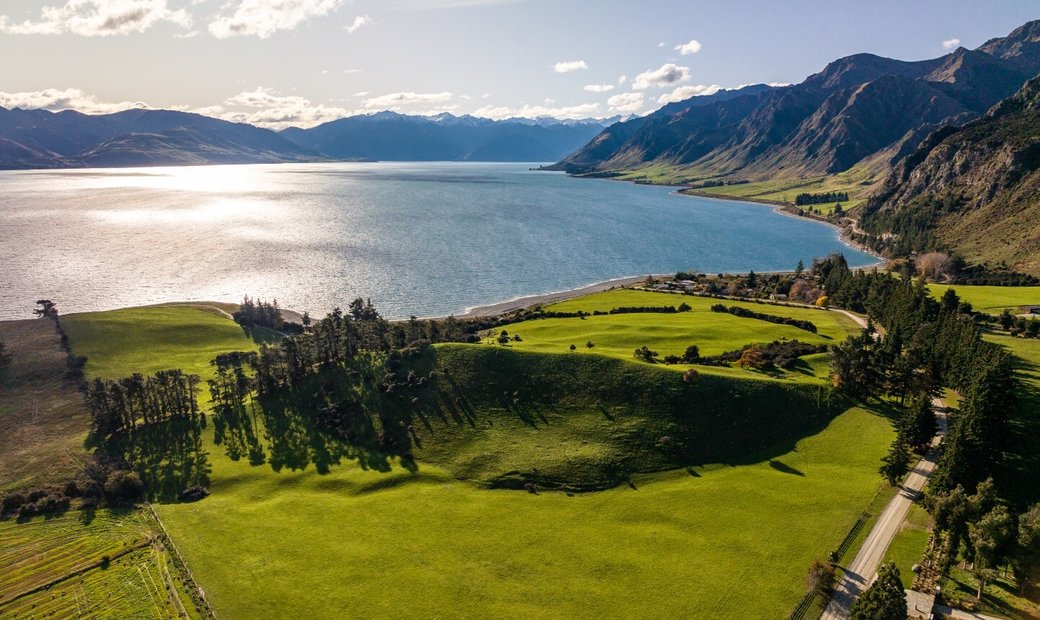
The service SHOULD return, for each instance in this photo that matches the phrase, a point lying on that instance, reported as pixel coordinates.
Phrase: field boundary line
(181, 565)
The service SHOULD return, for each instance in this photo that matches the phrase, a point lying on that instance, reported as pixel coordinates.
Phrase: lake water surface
(418, 238)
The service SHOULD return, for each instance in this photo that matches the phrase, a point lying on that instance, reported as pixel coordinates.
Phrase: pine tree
(884, 600)
(897, 462)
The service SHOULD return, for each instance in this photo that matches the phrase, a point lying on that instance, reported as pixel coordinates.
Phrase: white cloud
(583, 110)
(951, 44)
(622, 79)
(363, 93)
(485, 95)
(690, 90)
(666, 75)
(690, 47)
(98, 18)
(598, 88)
(626, 103)
(395, 101)
(349, 71)
(266, 107)
(570, 65)
(262, 18)
(660, 44)
(57, 100)
(358, 23)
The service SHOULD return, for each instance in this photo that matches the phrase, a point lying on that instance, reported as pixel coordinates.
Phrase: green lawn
(619, 335)
(992, 299)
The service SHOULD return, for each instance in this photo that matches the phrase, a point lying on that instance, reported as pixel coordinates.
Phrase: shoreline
(524, 301)
(781, 209)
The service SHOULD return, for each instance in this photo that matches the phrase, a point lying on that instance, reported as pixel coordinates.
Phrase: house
(778, 296)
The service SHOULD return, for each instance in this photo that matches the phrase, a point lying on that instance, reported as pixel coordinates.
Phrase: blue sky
(300, 62)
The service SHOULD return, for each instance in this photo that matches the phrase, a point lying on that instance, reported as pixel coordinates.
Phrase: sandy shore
(531, 300)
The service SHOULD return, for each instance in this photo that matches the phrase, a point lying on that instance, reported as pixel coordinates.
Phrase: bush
(193, 494)
(691, 376)
(12, 502)
(644, 353)
(123, 486)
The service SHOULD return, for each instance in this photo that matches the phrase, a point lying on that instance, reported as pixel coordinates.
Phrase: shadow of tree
(168, 456)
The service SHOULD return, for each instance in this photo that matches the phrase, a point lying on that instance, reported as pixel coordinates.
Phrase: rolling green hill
(393, 538)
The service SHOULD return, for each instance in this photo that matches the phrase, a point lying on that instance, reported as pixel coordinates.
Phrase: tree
(991, 539)
(752, 358)
(1027, 551)
(5, 356)
(918, 424)
(574, 347)
(884, 600)
(589, 344)
(897, 462)
(752, 279)
(820, 578)
(692, 354)
(799, 269)
(46, 309)
(691, 376)
(935, 266)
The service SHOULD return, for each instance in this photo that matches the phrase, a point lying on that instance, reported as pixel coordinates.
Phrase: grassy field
(43, 421)
(718, 540)
(619, 335)
(780, 191)
(56, 566)
(712, 542)
(119, 343)
(992, 299)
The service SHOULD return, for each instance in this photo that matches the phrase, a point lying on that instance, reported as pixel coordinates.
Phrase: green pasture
(992, 299)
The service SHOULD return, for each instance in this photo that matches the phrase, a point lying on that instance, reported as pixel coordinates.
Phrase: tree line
(928, 345)
(125, 404)
(821, 198)
(808, 326)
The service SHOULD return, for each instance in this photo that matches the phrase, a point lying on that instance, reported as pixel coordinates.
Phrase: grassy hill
(618, 335)
(304, 542)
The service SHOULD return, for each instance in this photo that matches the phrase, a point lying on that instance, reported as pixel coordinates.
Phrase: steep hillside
(399, 137)
(859, 110)
(974, 189)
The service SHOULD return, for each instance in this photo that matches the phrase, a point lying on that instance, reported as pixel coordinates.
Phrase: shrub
(820, 578)
(691, 376)
(752, 358)
(193, 494)
(644, 353)
(123, 486)
(11, 502)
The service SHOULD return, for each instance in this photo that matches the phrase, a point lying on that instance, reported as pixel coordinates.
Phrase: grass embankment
(43, 422)
(992, 299)
(712, 541)
(101, 564)
(909, 544)
(856, 182)
(618, 335)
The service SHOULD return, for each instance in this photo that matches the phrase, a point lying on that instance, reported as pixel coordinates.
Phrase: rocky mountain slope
(974, 189)
(862, 108)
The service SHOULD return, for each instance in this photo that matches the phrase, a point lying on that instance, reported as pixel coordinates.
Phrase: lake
(426, 239)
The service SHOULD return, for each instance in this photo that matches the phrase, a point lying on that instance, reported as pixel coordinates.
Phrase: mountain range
(142, 137)
(859, 110)
(445, 137)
